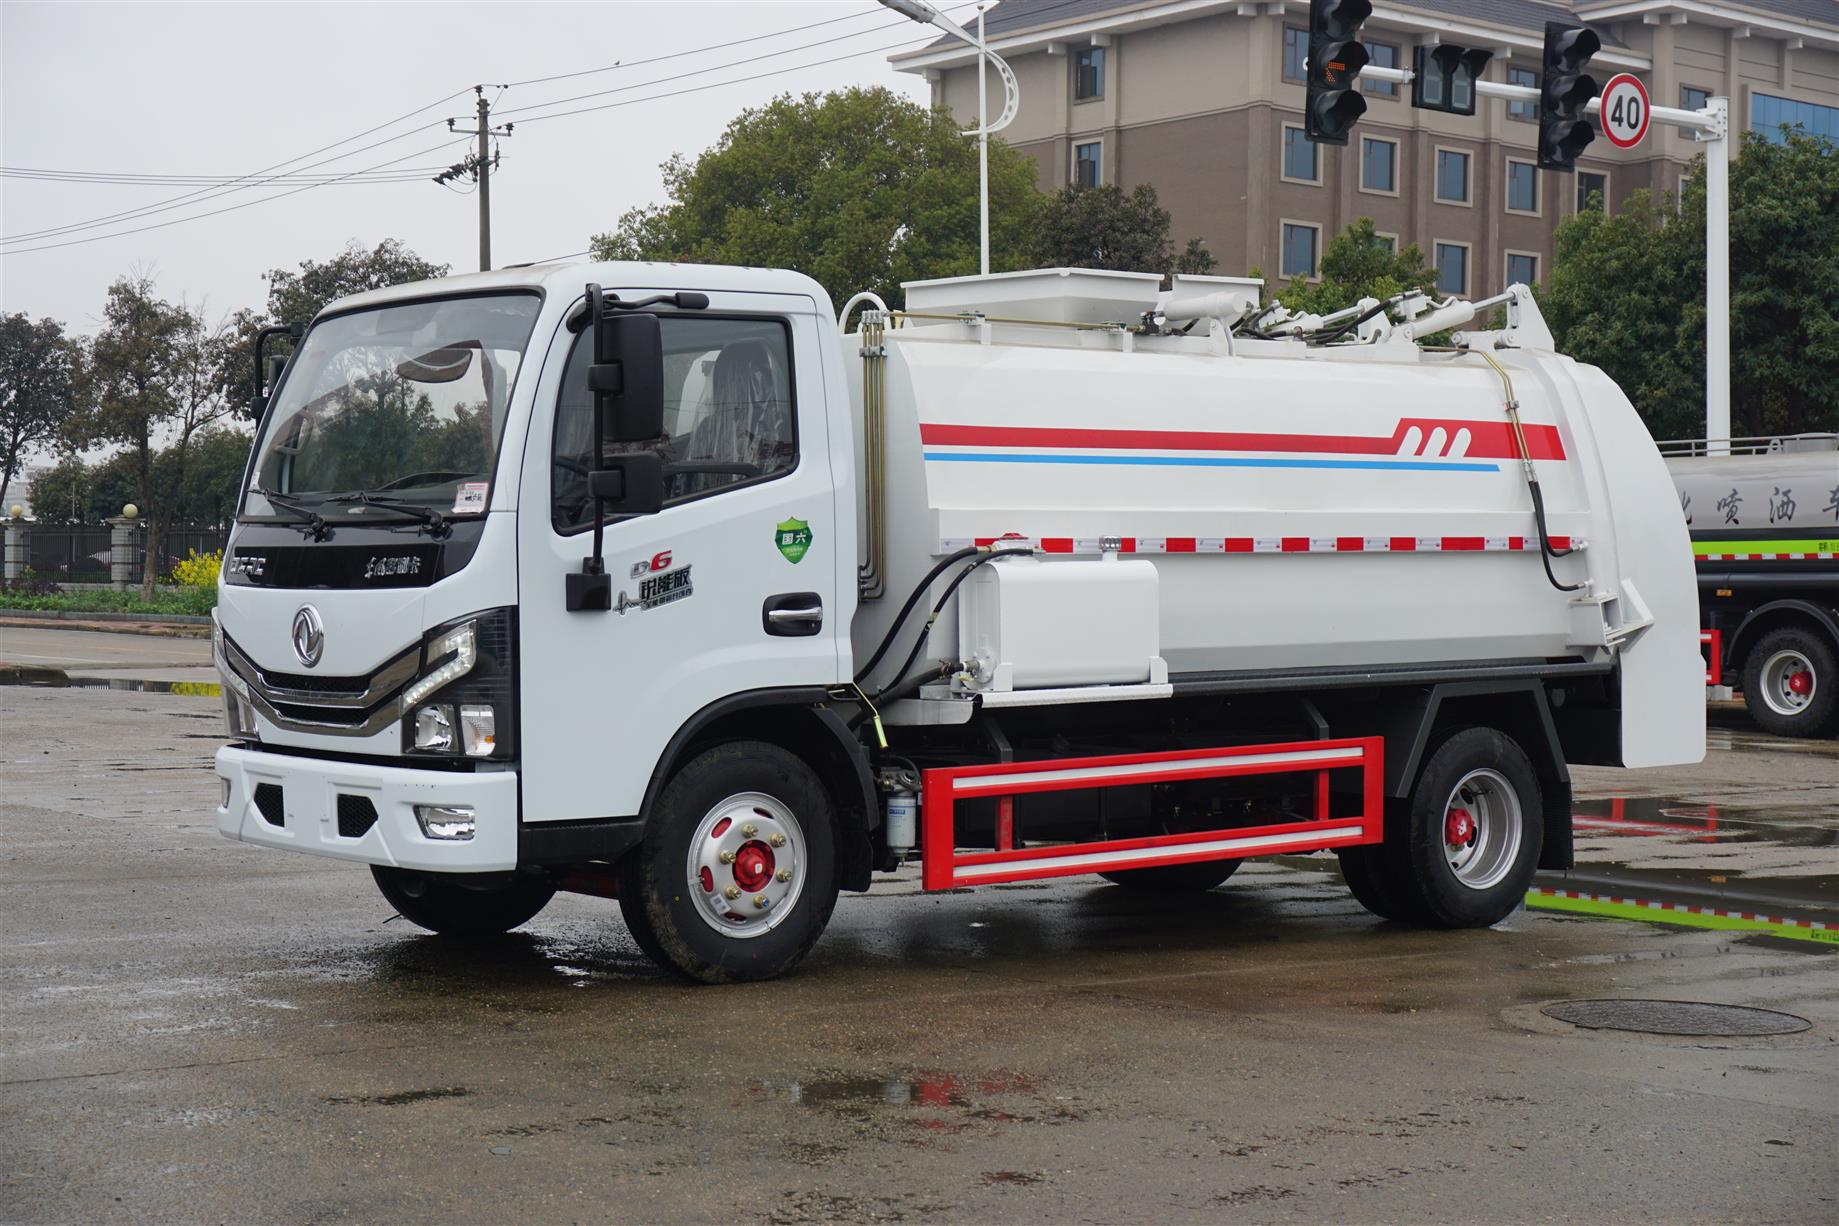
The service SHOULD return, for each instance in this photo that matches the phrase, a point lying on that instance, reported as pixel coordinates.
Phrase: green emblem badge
(793, 538)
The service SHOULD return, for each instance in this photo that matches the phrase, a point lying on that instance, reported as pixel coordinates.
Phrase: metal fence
(81, 553)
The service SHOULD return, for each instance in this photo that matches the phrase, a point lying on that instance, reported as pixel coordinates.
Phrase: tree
(61, 494)
(295, 297)
(155, 367)
(1103, 227)
(1627, 293)
(213, 477)
(1356, 265)
(862, 189)
(39, 367)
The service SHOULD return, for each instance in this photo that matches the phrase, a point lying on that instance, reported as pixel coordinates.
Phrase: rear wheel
(1462, 850)
(1174, 878)
(737, 875)
(1791, 683)
(446, 903)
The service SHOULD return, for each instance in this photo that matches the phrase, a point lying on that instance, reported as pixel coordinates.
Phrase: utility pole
(478, 166)
(483, 159)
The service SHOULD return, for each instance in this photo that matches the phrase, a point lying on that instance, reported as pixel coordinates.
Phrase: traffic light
(1564, 91)
(1335, 60)
(1444, 77)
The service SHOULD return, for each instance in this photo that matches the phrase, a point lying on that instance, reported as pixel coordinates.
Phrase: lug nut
(784, 874)
(778, 840)
(732, 892)
(750, 830)
(762, 901)
(727, 857)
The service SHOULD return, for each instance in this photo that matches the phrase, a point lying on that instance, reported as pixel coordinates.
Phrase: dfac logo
(309, 635)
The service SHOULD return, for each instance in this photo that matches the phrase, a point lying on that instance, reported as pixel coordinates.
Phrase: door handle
(793, 614)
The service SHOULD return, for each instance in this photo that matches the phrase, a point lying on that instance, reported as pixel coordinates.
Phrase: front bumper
(309, 806)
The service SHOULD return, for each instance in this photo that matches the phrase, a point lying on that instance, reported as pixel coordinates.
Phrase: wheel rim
(746, 865)
(1788, 682)
(1482, 828)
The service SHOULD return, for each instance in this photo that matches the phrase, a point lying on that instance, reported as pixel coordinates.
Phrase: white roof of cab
(621, 275)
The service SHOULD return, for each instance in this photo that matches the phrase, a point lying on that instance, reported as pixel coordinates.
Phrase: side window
(729, 413)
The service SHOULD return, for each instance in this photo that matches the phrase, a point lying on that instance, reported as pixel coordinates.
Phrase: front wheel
(447, 904)
(737, 875)
(1791, 683)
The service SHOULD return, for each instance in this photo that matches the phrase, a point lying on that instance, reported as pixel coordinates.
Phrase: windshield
(405, 404)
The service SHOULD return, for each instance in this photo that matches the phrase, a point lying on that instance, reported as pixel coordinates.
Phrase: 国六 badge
(793, 538)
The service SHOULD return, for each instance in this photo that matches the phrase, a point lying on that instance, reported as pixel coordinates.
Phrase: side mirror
(627, 377)
(629, 484)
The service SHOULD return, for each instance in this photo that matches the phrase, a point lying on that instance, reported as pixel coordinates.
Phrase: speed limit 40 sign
(1625, 110)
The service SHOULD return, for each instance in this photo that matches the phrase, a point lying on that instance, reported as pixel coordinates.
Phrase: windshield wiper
(436, 522)
(313, 521)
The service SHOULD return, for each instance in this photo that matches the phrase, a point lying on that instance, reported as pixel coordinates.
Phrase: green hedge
(197, 601)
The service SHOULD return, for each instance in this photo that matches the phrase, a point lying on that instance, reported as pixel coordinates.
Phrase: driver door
(754, 528)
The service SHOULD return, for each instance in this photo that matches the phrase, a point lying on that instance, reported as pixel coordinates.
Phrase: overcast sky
(158, 89)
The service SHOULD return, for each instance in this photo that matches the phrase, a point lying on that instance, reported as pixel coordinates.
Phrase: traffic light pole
(1712, 128)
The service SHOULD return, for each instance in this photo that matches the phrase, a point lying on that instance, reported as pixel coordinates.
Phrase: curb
(176, 625)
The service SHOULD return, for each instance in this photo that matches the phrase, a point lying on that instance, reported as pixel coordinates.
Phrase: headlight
(434, 729)
(462, 645)
(464, 702)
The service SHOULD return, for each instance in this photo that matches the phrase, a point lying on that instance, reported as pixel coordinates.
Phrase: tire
(441, 902)
(1791, 683)
(1369, 875)
(1195, 878)
(1469, 871)
(751, 916)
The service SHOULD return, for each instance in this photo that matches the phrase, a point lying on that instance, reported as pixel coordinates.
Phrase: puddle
(1763, 872)
(928, 1090)
(401, 1098)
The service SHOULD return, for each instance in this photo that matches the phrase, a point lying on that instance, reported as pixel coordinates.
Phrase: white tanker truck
(648, 581)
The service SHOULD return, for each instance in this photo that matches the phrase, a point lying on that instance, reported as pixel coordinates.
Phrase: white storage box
(1062, 295)
(1031, 624)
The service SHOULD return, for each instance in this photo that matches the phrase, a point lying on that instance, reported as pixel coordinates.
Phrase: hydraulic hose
(900, 619)
(919, 644)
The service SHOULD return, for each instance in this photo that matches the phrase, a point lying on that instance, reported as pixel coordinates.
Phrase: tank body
(1304, 508)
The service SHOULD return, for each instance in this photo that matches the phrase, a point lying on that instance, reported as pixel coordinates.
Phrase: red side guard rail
(1713, 642)
(944, 867)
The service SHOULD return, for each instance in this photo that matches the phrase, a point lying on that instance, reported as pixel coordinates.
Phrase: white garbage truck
(665, 584)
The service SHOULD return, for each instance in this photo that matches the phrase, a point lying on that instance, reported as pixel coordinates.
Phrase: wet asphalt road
(196, 1030)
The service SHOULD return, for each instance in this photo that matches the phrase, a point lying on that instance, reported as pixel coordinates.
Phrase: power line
(160, 225)
(87, 176)
(199, 195)
(694, 72)
(406, 174)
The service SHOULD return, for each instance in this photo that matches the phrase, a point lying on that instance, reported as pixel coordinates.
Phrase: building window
(1515, 108)
(1295, 54)
(1592, 191)
(1768, 113)
(1378, 165)
(1692, 98)
(1088, 165)
(1452, 176)
(1089, 74)
(1387, 243)
(1298, 256)
(1380, 55)
(1522, 269)
(1452, 268)
(1522, 187)
(1301, 160)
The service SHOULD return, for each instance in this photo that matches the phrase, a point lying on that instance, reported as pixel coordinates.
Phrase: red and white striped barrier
(1264, 544)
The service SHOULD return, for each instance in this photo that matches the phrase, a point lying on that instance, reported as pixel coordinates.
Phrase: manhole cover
(1675, 1017)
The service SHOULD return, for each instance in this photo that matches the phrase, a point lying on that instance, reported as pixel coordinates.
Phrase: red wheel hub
(753, 866)
(1800, 683)
(1459, 828)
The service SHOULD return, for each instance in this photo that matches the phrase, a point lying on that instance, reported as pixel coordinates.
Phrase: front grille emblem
(309, 635)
